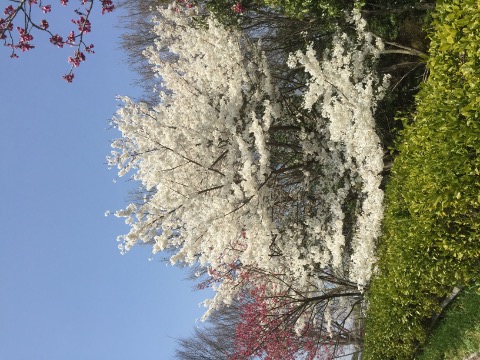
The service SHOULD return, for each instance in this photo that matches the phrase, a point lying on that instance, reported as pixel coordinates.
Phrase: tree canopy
(266, 176)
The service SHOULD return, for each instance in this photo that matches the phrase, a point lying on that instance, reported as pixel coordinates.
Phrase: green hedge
(431, 230)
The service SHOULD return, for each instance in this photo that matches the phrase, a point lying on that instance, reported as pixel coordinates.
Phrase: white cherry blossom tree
(258, 188)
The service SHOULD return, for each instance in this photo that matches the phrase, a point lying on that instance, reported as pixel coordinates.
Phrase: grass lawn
(457, 335)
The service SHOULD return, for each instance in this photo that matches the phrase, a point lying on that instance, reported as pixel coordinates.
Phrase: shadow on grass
(457, 334)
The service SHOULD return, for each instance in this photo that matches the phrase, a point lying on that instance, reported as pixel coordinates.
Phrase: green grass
(457, 335)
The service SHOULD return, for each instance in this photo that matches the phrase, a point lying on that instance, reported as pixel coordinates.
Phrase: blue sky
(65, 290)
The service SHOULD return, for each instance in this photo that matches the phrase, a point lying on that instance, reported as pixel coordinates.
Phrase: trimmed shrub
(431, 229)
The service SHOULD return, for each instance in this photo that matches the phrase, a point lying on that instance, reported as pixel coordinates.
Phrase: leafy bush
(431, 228)
(320, 8)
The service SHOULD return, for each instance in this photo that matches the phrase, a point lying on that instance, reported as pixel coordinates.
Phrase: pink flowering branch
(25, 37)
(181, 6)
(84, 27)
(266, 333)
(238, 8)
(278, 321)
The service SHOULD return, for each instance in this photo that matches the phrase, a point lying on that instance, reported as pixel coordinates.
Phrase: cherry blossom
(277, 197)
(44, 24)
(25, 12)
(238, 8)
(57, 40)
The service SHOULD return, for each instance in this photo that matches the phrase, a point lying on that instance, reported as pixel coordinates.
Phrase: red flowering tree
(285, 326)
(265, 332)
(276, 320)
(22, 18)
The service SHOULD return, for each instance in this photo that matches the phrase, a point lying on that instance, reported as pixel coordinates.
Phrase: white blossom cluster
(345, 91)
(203, 154)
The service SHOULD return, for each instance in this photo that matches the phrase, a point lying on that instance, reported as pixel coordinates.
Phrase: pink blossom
(107, 6)
(74, 61)
(26, 38)
(24, 46)
(77, 59)
(68, 78)
(44, 24)
(238, 8)
(57, 40)
(9, 10)
(71, 38)
(84, 25)
(89, 48)
(79, 55)
(264, 333)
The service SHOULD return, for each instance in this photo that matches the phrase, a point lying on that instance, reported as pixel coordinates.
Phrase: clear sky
(66, 293)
